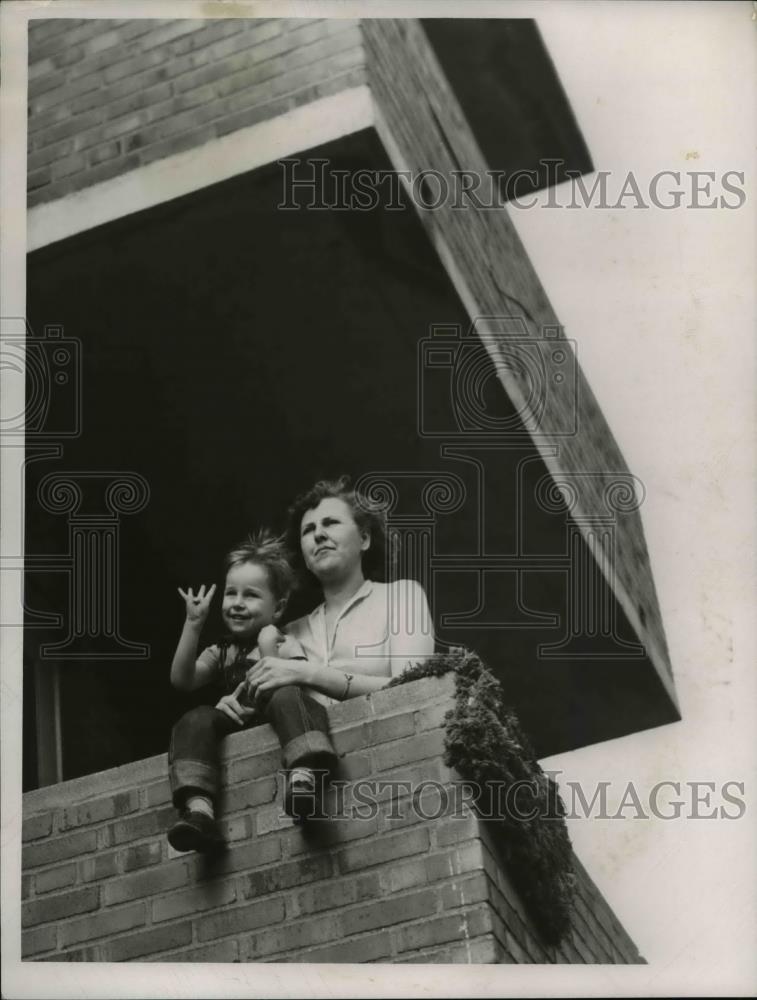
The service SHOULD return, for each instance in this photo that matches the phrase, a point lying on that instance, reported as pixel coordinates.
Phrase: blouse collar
(359, 595)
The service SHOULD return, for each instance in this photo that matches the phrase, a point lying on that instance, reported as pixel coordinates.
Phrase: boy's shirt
(230, 662)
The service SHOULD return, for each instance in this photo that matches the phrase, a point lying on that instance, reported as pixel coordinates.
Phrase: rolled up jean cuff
(187, 776)
(298, 750)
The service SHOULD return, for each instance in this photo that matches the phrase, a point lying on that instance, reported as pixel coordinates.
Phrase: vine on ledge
(485, 744)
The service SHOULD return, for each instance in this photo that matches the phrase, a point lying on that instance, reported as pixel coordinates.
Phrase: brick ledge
(142, 772)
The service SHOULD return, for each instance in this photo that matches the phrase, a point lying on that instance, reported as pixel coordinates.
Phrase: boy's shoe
(302, 798)
(196, 831)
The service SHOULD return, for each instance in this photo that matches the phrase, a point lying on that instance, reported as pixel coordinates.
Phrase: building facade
(196, 243)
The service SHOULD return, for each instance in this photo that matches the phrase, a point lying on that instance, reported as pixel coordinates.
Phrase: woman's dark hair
(367, 515)
(269, 551)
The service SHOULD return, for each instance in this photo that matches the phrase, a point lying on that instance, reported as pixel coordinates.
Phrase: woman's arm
(341, 684)
(272, 672)
(410, 626)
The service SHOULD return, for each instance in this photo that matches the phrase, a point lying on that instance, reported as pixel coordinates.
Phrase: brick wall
(107, 96)
(101, 883)
(427, 125)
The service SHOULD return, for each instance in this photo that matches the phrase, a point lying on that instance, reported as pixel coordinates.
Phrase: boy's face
(248, 601)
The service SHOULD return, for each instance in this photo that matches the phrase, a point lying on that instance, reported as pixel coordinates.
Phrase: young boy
(258, 583)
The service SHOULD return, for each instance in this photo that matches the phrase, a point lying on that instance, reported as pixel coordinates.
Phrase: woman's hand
(272, 672)
(231, 706)
(197, 605)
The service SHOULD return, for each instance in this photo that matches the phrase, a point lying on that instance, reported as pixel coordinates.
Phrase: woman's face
(332, 543)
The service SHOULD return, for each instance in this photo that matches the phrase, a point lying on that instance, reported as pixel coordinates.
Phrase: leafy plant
(486, 745)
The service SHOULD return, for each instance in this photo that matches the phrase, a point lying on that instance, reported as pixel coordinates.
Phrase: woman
(362, 634)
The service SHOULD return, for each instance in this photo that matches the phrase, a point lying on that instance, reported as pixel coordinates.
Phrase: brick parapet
(101, 883)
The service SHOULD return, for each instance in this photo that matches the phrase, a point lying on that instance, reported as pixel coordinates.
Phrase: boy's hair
(269, 551)
(368, 517)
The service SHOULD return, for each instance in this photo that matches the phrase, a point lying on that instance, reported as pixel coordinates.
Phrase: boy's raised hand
(197, 604)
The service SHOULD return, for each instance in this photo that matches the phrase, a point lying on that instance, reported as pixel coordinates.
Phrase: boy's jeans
(300, 722)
